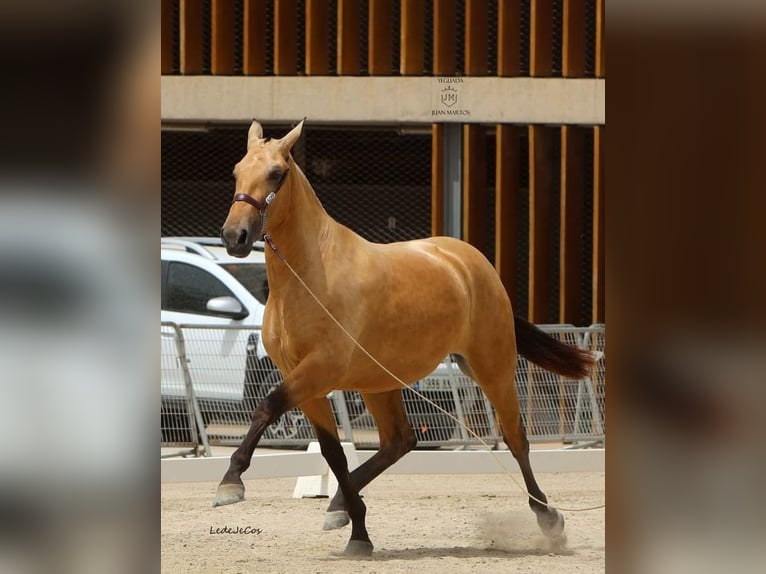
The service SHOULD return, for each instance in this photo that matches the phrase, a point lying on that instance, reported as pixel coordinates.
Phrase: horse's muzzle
(237, 240)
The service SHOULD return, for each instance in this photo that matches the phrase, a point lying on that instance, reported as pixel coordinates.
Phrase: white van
(202, 285)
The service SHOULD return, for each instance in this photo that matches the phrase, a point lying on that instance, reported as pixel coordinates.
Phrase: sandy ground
(421, 523)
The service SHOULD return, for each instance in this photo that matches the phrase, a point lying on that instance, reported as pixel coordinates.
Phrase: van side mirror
(227, 306)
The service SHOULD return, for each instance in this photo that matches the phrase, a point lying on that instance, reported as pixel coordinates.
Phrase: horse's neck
(302, 229)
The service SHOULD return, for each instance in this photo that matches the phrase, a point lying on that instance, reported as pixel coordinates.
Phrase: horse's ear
(255, 134)
(287, 142)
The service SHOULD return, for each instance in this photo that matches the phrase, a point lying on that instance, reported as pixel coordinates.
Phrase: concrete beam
(350, 99)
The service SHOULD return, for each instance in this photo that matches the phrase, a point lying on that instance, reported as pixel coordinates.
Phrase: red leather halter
(262, 205)
(259, 205)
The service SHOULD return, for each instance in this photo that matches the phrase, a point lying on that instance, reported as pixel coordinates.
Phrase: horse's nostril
(242, 239)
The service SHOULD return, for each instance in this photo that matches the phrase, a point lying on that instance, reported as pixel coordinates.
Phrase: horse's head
(259, 177)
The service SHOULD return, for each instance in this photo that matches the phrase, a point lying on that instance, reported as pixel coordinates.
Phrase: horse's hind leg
(550, 520)
(320, 415)
(396, 439)
(501, 391)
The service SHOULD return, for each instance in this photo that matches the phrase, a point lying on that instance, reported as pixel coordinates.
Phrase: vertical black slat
(590, 38)
(460, 38)
(207, 33)
(300, 37)
(556, 228)
(525, 38)
(332, 46)
(492, 38)
(521, 307)
(239, 36)
(396, 43)
(269, 39)
(428, 38)
(558, 37)
(586, 301)
(364, 30)
(176, 65)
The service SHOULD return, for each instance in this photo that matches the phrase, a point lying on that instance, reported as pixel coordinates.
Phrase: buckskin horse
(408, 304)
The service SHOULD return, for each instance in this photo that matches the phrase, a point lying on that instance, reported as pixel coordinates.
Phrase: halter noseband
(262, 205)
(259, 205)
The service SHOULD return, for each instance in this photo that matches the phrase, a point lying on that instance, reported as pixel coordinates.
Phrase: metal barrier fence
(212, 377)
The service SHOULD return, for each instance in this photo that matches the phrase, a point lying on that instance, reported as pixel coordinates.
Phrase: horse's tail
(550, 353)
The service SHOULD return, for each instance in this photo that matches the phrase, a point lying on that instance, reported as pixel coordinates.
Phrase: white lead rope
(273, 247)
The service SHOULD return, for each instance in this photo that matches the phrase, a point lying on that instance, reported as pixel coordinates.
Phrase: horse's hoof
(551, 523)
(229, 494)
(334, 519)
(558, 544)
(358, 548)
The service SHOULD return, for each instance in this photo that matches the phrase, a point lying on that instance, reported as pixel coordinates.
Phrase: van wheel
(430, 424)
(261, 377)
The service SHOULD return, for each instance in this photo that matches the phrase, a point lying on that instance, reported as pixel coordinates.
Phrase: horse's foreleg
(320, 415)
(359, 544)
(396, 439)
(231, 489)
(286, 396)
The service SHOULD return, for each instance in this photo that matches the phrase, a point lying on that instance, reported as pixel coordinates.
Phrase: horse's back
(451, 256)
(439, 291)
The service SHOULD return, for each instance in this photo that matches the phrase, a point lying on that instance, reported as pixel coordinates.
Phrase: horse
(408, 304)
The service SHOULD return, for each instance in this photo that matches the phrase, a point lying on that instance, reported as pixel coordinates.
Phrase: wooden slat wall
(437, 179)
(541, 38)
(285, 29)
(348, 63)
(317, 37)
(444, 38)
(476, 42)
(222, 37)
(380, 39)
(573, 49)
(191, 36)
(475, 191)
(599, 228)
(572, 227)
(412, 34)
(254, 41)
(508, 39)
(541, 222)
(507, 211)
(167, 37)
(600, 40)
(412, 60)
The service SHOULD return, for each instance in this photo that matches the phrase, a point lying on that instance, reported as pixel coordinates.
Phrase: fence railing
(212, 377)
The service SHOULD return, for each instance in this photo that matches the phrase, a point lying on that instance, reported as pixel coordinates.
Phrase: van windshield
(252, 276)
